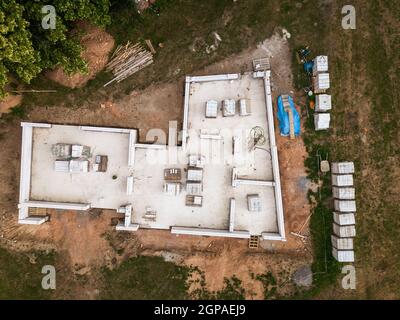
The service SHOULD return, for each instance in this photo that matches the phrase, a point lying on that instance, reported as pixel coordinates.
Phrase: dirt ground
(97, 45)
(88, 240)
(9, 102)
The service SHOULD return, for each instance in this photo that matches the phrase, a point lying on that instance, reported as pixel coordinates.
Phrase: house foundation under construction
(217, 176)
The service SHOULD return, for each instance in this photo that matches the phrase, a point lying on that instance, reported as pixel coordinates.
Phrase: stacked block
(344, 216)
(321, 84)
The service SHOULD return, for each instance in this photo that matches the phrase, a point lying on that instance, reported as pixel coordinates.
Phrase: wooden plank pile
(127, 60)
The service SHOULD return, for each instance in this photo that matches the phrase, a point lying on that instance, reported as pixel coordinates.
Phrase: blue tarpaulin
(283, 117)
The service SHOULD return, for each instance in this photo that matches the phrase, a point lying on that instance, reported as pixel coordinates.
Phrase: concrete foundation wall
(232, 209)
(33, 220)
(105, 129)
(210, 232)
(274, 155)
(272, 236)
(254, 182)
(131, 153)
(217, 77)
(131, 227)
(58, 205)
(151, 146)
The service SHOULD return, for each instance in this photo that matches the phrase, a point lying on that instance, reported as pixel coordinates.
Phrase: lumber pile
(127, 60)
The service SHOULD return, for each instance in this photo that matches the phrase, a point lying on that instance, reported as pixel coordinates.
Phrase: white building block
(345, 205)
(344, 219)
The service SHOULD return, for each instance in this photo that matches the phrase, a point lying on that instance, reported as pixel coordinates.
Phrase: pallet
(261, 64)
(37, 211)
(253, 242)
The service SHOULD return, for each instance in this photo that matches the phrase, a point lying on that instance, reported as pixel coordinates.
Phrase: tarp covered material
(283, 117)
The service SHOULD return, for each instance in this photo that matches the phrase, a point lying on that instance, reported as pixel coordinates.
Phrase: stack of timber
(127, 60)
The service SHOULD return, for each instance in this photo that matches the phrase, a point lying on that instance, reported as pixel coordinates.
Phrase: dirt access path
(89, 241)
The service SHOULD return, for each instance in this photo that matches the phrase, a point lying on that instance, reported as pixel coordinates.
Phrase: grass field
(365, 75)
(145, 278)
(21, 278)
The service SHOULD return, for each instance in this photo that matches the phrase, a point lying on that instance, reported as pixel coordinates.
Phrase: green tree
(26, 48)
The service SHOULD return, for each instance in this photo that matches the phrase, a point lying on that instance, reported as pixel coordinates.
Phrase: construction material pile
(127, 60)
(344, 229)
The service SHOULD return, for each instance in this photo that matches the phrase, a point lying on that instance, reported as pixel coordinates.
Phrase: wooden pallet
(253, 242)
(261, 64)
(37, 211)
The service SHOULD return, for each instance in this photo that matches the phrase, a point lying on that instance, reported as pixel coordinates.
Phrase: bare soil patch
(97, 45)
(9, 102)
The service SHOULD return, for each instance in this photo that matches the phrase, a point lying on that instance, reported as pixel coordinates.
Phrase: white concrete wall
(217, 77)
(25, 171)
(151, 146)
(254, 182)
(185, 112)
(272, 236)
(105, 129)
(33, 220)
(130, 227)
(131, 152)
(274, 155)
(58, 205)
(232, 210)
(210, 232)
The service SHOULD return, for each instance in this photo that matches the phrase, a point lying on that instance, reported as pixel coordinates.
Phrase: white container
(194, 188)
(211, 109)
(345, 193)
(344, 219)
(344, 231)
(342, 243)
(321, 82)
(195, 174)
(228, 107)
(320, 64)
(343, 255)
(345, 180)
(172, 188)
(76, 151)
(61, 166)
(343, 167)
(345, 205)
(323, 102)
(322, 121)
(76, 166)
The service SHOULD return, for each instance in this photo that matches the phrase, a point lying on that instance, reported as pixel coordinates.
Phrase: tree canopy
(26, 48)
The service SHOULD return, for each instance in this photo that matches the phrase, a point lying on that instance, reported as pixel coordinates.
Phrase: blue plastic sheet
(283, 117)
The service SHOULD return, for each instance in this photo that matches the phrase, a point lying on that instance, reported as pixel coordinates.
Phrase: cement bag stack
(345, 210)
(321, 84)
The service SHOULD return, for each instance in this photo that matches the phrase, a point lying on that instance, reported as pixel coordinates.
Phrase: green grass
(20, 279)
(232, 289)
(364, 81)
(145, 278)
